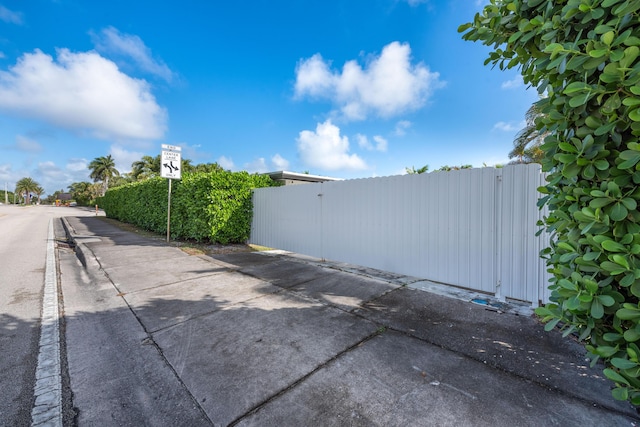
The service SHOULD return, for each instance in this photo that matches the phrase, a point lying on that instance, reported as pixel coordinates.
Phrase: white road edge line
(47, 409)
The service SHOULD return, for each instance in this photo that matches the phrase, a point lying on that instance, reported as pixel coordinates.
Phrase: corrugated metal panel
(473, 228)
(288, 218)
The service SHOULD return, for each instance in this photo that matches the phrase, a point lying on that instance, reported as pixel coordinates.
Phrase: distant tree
(145, 168)
(82, 192)
(103, 169)
(412, 170)
(51, 198)
(25, 187)
(526, 145)
(39, 191)
(207, 167)
(447, 168)
(7, 197)
(187, 166)
(123, 179)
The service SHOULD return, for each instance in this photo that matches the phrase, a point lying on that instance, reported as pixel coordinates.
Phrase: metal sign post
(171, 168)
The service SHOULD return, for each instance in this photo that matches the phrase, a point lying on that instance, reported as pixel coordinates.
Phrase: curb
(83, 253)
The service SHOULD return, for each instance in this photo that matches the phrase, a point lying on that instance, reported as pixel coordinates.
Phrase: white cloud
(50, 172)
(363, 142)
(414, 3)
(381, 143)
(26, 144)
(313, 77)
(401, 127)
(111, 41)
(279, 162)
(388, 85)
(52, 177)
(123, 158)
(77, 165)
(326, 149)
(2, 55)
(81, 91)
(10, 16)
(226, 162)
(5, 174)
(514, 83)
(259, 165)
(509, 127)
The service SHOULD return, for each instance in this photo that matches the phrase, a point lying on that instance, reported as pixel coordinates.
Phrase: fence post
(499, 227)
(321, 222)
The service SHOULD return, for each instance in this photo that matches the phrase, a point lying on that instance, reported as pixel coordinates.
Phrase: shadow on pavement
(254, 339)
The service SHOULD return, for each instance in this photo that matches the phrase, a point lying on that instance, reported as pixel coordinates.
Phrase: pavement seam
(47, 409)
(303, 378)
(149, 339)
(172, 283)
(197, 316)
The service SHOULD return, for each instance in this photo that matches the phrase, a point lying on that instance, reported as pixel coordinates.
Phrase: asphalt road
(23, 250)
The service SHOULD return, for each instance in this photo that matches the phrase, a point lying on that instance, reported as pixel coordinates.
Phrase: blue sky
(344, 88)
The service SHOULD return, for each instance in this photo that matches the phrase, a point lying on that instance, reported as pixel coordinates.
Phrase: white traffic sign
(171, 147)
(171, 164)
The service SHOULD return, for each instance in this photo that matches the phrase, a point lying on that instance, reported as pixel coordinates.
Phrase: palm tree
(526, 145)
(412, 170)
(25, 187)
(102, 169)
(81, 192)
(187, 166)
(146, 167)
(39, 191)
(208, 168)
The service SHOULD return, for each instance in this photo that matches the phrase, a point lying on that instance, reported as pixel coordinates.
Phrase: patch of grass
(259, 248)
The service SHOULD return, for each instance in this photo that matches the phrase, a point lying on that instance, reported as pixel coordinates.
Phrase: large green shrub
(583, 55)
(212, 206)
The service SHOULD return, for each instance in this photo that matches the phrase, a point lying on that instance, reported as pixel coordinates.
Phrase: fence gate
(473, 228)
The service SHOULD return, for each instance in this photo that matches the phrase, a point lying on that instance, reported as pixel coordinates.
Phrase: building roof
(294, 176)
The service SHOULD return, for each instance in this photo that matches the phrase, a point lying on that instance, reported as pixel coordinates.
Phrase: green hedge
(204, 206)
(584, 55)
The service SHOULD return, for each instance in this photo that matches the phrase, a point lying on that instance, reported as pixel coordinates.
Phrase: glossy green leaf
(607, 38)
(628, 314)
(618, 212)
(597, 310)
(606, 300)
(600, 202)
(613, 268)
(615, 376)
(629, 203)
(613, 246)
(620, 393)
(601, 164)
(627, 280)
(621, 363)
(620, 260)
(630, 157)
(631, 335)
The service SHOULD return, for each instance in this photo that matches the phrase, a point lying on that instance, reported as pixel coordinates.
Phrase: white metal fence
(473, 228)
